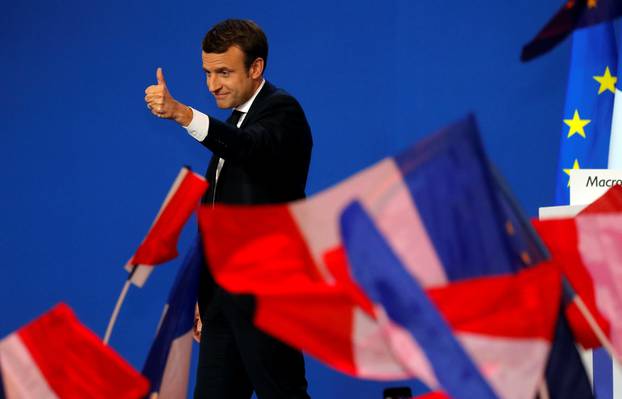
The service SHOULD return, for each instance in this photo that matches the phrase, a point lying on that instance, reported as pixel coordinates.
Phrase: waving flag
(437, 204)
(57, 357)
(590, 248)
(440, 209)
(168, 363)
(499, 329)
(586, 127)
(160, 243)
(592, 122)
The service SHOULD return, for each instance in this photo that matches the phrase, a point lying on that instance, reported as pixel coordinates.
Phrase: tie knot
(234, 118)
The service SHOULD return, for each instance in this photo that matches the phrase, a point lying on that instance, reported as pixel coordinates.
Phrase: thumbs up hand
(163, 105)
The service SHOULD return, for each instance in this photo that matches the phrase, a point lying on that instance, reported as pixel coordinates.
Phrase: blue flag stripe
(451, 184)
(384, 279)
(603, 374)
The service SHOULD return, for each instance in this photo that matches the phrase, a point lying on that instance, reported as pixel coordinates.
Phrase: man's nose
(213, 83)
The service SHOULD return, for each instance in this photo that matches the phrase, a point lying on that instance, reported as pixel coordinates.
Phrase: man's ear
(256, 69)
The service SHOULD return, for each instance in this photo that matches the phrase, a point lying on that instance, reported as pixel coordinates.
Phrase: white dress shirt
(199, 125)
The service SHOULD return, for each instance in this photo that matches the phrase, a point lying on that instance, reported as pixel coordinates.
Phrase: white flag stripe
(20, 374)
(175, 379)
(586, 357)
(383, 192)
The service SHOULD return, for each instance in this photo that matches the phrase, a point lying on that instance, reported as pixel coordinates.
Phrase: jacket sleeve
(279, 128)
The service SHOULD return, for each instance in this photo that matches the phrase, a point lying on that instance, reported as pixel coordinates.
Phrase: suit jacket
(266, 161)
(267, 158)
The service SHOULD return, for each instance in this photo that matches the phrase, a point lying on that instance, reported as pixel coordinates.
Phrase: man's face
(227, 77)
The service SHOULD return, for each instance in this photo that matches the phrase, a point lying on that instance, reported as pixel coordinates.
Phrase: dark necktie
(234, 118)
(218, 163)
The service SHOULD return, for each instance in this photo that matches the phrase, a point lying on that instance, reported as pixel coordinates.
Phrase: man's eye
(224, 74)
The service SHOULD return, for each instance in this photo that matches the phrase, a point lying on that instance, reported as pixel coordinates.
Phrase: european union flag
(586, 126)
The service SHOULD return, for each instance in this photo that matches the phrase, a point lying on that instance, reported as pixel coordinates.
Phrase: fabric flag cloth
(55, 356)
(160, 243)
(438, 206)
(168, 363)
(486, 329)
(592, 122)
(586, 127)
(574, 15)
(589, 247)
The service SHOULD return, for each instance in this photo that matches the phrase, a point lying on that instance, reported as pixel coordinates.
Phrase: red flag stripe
(75, 362)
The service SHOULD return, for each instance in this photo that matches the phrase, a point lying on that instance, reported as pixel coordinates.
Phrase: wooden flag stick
(117, 307)
(600, 334)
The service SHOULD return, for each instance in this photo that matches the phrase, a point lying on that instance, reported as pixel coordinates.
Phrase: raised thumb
(160, 77)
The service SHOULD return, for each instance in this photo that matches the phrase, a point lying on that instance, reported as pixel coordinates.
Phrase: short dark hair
(244, 34)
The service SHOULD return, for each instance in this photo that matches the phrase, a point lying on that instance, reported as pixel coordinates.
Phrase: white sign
(586, 185)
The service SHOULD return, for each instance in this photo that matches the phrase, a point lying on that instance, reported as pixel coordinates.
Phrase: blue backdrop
(84, 165)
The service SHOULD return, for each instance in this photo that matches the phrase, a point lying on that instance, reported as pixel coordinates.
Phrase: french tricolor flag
(160, 243)
(168, 364)
(437, 204)
(444, 215)
(469, 333)
(589, 247)
(55, 356)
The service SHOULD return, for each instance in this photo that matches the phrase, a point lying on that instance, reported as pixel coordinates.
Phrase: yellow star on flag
(607, 82)
(574, 166)
(592, 3)
(576, 124)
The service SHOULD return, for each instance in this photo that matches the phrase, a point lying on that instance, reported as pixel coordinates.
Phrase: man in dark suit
(260, 155)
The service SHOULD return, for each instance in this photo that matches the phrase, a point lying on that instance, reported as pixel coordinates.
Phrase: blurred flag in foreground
(55, 356)
(498, 316)
(437, 204)
(160, 243)
(440, 210)
(589, 246)
(592, 121)
(168, 363)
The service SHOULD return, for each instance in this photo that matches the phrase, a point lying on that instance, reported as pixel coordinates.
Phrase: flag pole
(570, 292)
(600, 334)
(117, 307)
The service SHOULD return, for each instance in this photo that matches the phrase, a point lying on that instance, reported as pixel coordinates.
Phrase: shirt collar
(246, 106)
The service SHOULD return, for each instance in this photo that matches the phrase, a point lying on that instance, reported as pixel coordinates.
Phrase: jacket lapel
(263, 94)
